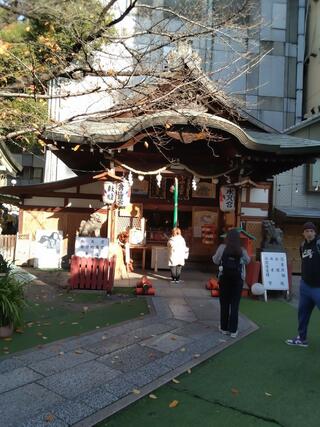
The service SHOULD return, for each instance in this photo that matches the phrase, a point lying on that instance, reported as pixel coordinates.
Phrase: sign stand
(274, 272)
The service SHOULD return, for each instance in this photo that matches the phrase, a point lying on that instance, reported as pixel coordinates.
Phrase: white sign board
(92, 247)
(48, 248)
(274, 271)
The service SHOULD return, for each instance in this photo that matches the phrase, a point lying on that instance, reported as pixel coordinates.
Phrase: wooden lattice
(92, 273)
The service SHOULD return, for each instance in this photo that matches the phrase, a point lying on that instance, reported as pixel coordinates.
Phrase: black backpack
(231, 265)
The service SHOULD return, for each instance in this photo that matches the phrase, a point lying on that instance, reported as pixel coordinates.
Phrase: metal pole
(175, 203)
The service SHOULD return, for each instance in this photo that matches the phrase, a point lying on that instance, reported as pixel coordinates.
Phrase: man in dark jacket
(309, 284)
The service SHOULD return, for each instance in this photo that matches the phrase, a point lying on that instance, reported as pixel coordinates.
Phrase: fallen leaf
(173, 338)
(234, 391)
(49, 418)
(268, 394)
(153, 396)
(29, 324)
(189, 371)
(196, 355)
(19, 331)
(175, 381)
(141, 314)
(39, 334)
(62, 322)
(104, 337)
(174, 403)
(44, 338)
(136, 391)
(183, 349)
(75, 323)
(78, 351)
(61, 353)
(7, 339)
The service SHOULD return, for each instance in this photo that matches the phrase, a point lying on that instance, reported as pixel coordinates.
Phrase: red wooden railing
(92, 273)
(253, 272)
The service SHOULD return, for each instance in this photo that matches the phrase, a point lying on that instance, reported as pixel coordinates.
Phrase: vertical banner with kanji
(123, 194)
(227, 198)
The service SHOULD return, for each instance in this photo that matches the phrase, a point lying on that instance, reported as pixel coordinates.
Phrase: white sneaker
(223, 332)
(234, 334)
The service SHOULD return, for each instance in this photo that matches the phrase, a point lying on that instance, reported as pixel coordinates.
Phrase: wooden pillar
(238, 207)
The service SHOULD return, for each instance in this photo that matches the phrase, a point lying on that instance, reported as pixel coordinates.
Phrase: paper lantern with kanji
(227, 198)
(109, 192)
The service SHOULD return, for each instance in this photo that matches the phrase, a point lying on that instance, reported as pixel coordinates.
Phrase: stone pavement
(81, 380)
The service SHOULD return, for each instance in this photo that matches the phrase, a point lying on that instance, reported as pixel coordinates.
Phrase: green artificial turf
(83, 297)
(258, 381)
(45, 322)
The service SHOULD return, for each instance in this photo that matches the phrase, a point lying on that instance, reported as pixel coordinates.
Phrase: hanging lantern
(123, 194)
(109, 192)
(227, 198)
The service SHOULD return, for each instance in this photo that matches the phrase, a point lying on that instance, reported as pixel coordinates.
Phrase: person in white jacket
(177, 249)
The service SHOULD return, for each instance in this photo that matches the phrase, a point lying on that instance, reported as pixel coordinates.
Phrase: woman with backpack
(231, 258)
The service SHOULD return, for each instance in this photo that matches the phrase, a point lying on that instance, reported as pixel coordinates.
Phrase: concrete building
(297, 192)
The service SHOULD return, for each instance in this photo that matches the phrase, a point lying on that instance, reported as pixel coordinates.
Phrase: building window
(37, 173)
(313, 177)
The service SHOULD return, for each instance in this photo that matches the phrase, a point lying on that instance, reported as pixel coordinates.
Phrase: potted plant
(5, 266)
(12, 303)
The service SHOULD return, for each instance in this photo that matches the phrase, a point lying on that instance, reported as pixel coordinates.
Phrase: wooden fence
(92, 273)
(8, 246)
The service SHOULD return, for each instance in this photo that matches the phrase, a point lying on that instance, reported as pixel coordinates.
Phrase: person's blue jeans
(309, 298)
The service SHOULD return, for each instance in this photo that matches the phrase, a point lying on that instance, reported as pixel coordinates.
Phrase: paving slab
(120, 386)
(112, 344)
(10, 364)
(182, 311)
(97, 398)
(132, 357)
(17, 378)
(193, 330)
(70, 411)
(62, 362)
(19, 405)
(44, 419)
(79, 379)
(166, 342)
